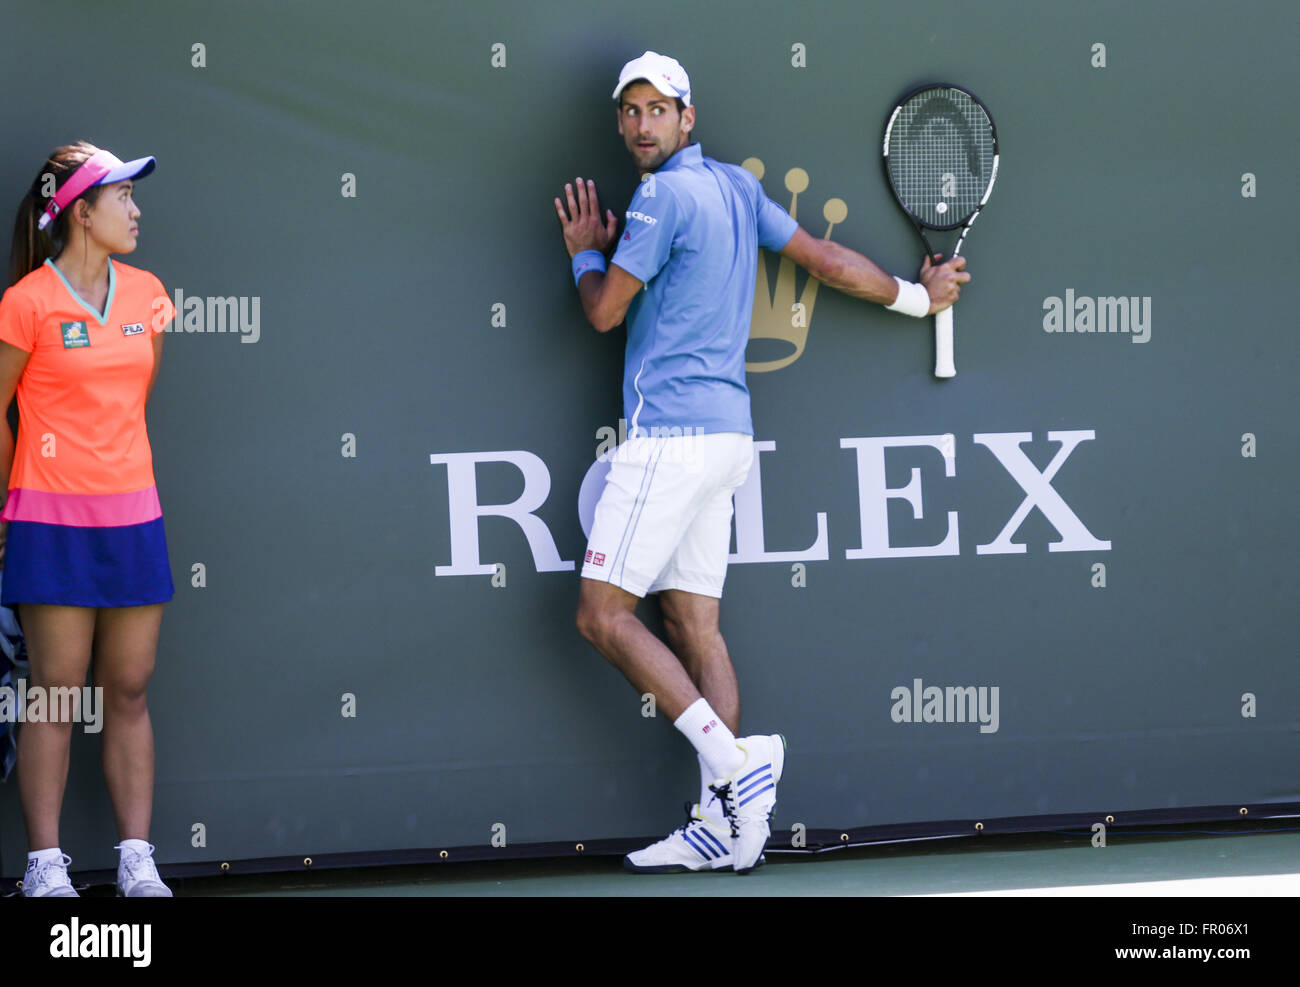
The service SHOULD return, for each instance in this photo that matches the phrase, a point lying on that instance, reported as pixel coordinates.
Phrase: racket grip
(943, 365)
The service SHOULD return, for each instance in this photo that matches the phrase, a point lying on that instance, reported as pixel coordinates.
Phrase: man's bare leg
(607, 618)
(691, 622)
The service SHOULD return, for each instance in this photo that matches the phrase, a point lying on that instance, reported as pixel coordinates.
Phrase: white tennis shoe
(137, 877)
(701, 844)
(49, 880)
(748, 796)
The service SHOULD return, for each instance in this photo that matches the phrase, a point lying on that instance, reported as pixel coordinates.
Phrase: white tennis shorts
(664, 517)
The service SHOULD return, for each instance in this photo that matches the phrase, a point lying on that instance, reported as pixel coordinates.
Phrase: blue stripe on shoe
(704, 851)
(692, 845)
(722, 850)
(756, 781)
(757, 794)
(766, 767)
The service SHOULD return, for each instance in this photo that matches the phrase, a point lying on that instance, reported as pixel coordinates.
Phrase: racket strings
(941, 156)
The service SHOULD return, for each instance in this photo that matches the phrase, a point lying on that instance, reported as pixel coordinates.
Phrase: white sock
(711, 738)
(45, 856)
(139, 846)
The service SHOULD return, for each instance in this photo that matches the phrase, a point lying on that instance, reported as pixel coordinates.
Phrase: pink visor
(101, 168)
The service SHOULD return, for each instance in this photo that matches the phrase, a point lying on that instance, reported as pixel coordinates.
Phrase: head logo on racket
(941, 159)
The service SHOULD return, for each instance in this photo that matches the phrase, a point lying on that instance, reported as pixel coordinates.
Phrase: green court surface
(1169, 861)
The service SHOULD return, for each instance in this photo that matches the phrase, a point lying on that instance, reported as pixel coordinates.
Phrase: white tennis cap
(664, 73)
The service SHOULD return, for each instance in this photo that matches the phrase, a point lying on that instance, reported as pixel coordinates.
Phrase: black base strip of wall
(1241, 818)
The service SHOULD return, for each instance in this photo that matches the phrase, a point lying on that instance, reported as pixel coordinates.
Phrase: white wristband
(912, 299)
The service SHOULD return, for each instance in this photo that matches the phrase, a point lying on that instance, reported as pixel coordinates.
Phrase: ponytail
(31, 245)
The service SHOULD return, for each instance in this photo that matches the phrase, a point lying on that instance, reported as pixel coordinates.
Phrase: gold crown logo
(777, 315)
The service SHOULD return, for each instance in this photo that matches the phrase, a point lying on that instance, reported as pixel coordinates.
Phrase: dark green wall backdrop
(432, 315)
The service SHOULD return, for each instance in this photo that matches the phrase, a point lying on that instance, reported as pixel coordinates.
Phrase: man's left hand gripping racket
(941, 157)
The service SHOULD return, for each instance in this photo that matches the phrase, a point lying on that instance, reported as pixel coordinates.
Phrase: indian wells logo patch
(74, 335)
(133, 330)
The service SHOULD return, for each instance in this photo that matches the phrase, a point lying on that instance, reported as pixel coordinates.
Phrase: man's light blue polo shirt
(692, 236)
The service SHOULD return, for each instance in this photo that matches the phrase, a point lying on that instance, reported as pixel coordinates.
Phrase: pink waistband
(83, 510)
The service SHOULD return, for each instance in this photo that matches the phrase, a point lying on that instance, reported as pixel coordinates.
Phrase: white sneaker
(748, 796)
(137, 877)
(49, 880)
(701, 844)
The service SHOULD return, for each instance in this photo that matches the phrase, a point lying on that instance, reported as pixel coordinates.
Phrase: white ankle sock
(711, 738)
(139, 846)
(45, 856)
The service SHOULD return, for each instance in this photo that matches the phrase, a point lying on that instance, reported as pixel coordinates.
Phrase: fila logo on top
(924, 452)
